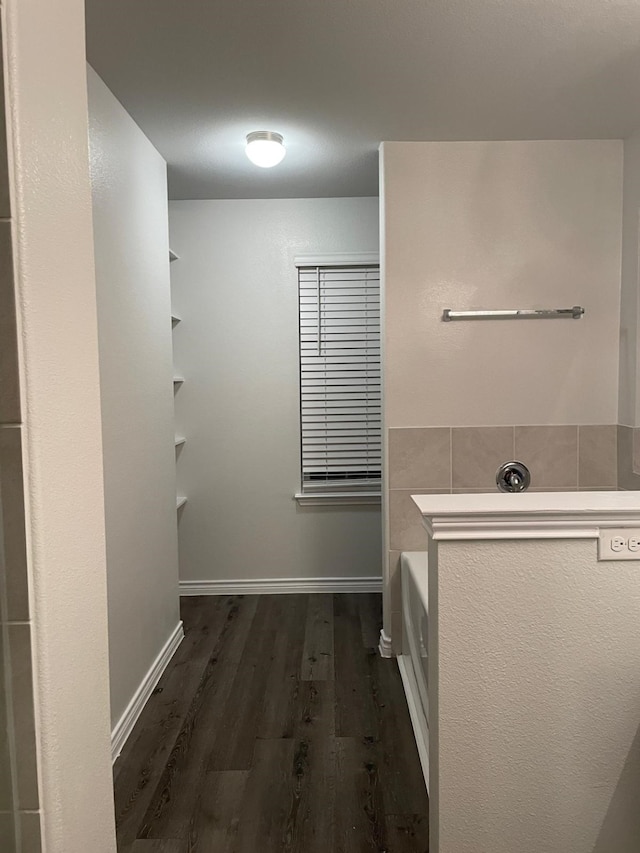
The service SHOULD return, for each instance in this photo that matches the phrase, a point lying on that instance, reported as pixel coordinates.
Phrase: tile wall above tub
(453, 459)
(465, 459)
(629, 458)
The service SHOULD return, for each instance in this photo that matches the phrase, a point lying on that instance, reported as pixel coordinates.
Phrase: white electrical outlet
(621, 544)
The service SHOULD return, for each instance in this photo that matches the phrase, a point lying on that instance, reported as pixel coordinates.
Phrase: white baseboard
(127, 721)
(384, 646)
(267, 586)
(418, 721)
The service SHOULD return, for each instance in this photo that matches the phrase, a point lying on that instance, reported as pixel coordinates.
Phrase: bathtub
(413, 660)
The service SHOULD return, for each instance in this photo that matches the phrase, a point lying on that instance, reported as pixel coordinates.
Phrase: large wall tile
(6, 793)
(550, 453)
(394, 580)
(420, 458)
(417, 457)
(23, 715)
(9, 382)
(5, 206)
(597, 457)
(13, 523)
(467, 491)
(477, 453)
(627, 479)
(30, 831)
(396, 632)
(543, 489)
(406, 530)
(7, 832)
(636, 450)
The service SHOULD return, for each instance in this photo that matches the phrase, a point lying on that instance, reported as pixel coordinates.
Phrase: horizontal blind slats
(340, 373)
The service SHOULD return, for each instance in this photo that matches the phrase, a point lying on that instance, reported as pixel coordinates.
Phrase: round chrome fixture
(513, 477)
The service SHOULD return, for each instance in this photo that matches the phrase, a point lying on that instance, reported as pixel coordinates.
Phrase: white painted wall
(534, 661)
(129, 182)
(62, 424)
(629, 403)
(501, 225)
(235, 287)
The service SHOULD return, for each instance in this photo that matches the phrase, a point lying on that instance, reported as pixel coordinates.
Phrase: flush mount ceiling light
(265, 148)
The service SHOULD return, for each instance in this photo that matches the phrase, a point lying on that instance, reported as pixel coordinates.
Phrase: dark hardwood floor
(276, 727)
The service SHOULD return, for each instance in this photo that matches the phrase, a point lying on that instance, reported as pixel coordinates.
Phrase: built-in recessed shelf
(173, 256)
(180, 439)
(180, 502)
(175, 319)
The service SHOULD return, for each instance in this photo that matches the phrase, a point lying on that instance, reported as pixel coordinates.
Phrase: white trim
(384, 646)
(342, 260)
(267, 586)
(339, 498)
(127, 721)
(541, 515)
(418, 720)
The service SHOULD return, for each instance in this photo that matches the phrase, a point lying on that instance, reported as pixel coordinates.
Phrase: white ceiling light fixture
(265, 148)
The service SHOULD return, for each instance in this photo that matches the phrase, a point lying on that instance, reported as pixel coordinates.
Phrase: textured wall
(55, 286)
(501, 225)
(536, 678)
(130, 224)
(235, 287)
(629, 404)
(629, 398)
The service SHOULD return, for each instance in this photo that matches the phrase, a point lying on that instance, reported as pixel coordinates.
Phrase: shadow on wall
(623, 814)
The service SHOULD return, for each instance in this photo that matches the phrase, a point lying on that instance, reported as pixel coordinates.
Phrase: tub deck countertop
(528, 515)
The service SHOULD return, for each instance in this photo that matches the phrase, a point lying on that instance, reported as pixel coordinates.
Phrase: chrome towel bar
(516, 314)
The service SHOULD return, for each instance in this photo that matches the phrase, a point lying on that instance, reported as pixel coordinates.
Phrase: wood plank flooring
(276, 728)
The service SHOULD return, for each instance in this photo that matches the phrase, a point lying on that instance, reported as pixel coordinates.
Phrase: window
(340, 407)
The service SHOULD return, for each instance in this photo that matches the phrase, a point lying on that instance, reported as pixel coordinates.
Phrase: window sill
(339, 499)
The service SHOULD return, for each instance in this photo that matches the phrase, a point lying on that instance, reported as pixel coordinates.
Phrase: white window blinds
(340, 377)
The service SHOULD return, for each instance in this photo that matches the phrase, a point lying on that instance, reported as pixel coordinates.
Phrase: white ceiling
(337, 77)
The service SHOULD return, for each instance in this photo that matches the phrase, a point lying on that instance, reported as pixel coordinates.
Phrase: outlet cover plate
(609, 550)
